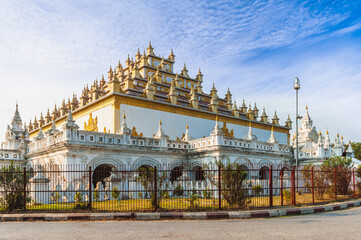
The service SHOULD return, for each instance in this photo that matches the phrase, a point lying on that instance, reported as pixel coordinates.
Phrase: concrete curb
(177, 215)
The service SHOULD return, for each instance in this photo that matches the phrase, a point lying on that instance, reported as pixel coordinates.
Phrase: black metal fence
(169, 187)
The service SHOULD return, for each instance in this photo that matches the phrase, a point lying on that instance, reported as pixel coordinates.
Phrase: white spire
(320, 139)
(16, 122)
(307, 122)
(40, 134)
(53, 129)
(217, 129)
(124, 128)
(187, 137)
(250, 136)
(70, 116)
(272, 138)
(160, 133)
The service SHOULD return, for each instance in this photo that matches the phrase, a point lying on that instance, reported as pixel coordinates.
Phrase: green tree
(115, 193)
(356, 146)
(342, 167)
(320, 179)
(233, 184)
(147, 179)
(12, 187)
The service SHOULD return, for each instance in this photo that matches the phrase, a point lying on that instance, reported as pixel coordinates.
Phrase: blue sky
(51, 49)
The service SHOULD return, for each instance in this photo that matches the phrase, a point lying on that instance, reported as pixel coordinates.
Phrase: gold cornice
(116, 99)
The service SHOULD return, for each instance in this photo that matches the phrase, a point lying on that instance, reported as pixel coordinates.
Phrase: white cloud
(50, 49)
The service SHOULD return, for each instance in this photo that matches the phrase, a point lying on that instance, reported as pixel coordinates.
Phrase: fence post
(219, 187)
(24, 181)
(335, 180)
(281, 176)
(312, 187)
(293, 190)
(354, 183)
(90, 188)
(270, 187)
(155, 189)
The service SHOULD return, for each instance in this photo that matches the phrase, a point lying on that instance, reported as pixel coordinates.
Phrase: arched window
(284, 172)
(144, 170)
(245, 169)
(176, 173)
(264, 173)
(100, 173)
(197, 173)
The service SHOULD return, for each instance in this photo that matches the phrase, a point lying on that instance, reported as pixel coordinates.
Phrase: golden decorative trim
(116, 100)
(179, 139)
(226, 131)
(135, 133)
(92, 125)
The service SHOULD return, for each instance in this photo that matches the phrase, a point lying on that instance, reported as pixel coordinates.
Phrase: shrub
(165, 194)
(233, 183)
(287, 196)
(207, 194)
(340, 166)
(115, 193)
(320, 180)
(193, 200)
(12, 187)
(147, 179)
(178, 191)
(140, 195)
(257, 189)
(57, 197)
(96, 195)
(78, 197)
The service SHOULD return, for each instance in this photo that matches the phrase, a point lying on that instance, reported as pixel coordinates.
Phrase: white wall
(147, 120)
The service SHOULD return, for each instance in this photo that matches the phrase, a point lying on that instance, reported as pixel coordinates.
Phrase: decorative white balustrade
(107, 139)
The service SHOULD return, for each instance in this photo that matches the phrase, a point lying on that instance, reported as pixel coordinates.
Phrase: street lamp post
(296, 86)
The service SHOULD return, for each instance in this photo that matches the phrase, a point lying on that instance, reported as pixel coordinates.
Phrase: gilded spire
(173, 94)
(264, 117)
(137, 56)
(144, 60)
(250, 114)
(158, 76)
(199, 76)
(275, 119)
(244, 107)
(171, 56)
(184, 71)
(162, 64)
(177, 81)
(289, 122)
(150, 49)
(255, 111)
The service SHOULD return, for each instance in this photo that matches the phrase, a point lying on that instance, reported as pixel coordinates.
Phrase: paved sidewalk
(177, 215)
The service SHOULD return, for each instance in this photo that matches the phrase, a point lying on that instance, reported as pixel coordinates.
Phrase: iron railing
(170, 187)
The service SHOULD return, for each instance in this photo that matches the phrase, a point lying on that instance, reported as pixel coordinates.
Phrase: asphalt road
(333, 225)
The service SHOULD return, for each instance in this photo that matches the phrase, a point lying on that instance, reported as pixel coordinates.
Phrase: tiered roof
(152, 77)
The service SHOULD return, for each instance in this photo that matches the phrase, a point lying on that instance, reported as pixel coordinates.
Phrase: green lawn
(176, 204)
